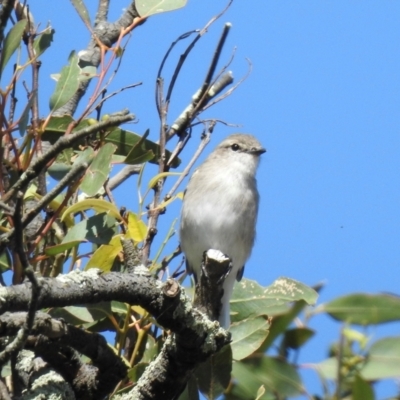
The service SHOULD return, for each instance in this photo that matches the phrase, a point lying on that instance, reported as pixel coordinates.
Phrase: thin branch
(106, 33)
(232, 89)
(123, 175)
(23, 333)
(181, 61)
(203, 95)
(204, 141)
(76, 171)
(100, 103)
(217, 54)
(9, 210)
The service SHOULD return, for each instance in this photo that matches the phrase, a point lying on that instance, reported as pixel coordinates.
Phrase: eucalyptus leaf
(98, 171)
(146, 8)
(58, 170)
(137, 229)
(103, 258)
(251, 300)
(276, 375)
(383, 360)
(43, 41)
(67, 84)
(94, 204)
(247, 336)
(364, 309)
(23, 121)
(362, 390)
(214, 374)
(139, 154)
(82, 11)
(11, 43)
(123, 139)
(60, 248)
(98, 229)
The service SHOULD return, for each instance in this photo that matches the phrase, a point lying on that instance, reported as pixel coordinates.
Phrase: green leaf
(60, 248)
(251, 300)
(137, 229)
(11, 43)
(95, 204)
(362, 390)
(383, 360)
(124, 140)
(247, 336)
(58, 170)
(118, 307)
(162, 175)
(98, 171)
(136, 372)
(214, 375)
(151, 349)
(274, 374)
(297, 337)
(23, 121)
(82, 11)
(98, 229)
(87, 72)
(139, 154)
(57, 126)
(86, 314)
(5, 261)
(328, 368)
(260, 392)
(103, 258)
(165, 203)
(67, 84)
(281, 322)
(75, 315)
(43, 41)
(364, 309)
(146, 8)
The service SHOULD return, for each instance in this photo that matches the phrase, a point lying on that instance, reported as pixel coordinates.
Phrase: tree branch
(63, 143)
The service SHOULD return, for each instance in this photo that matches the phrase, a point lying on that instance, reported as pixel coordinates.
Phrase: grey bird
(220, 209)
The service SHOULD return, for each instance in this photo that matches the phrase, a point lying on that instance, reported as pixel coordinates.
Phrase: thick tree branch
(195, 336)
(107, 33)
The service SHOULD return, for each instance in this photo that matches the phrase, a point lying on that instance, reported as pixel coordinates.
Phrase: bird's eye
(235, 147)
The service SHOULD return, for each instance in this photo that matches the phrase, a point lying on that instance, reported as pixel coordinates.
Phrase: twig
(100, 103)
(217, 54)
(63, 143)
(23, 333)
(9, 210)
(14, 100)
(203, 95)
(178, 67)
(104, 32)
(204, 141)
(75, 172)
(123, 175)
(231, 90)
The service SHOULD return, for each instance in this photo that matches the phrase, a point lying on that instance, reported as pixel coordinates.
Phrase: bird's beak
(257, 152)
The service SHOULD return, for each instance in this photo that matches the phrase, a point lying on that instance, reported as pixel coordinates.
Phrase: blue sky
(323, 98)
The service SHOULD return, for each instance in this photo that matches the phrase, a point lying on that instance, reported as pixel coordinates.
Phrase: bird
(220, 208)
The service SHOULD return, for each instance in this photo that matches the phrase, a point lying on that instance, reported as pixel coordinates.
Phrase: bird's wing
(240, 273)
(190, 271)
